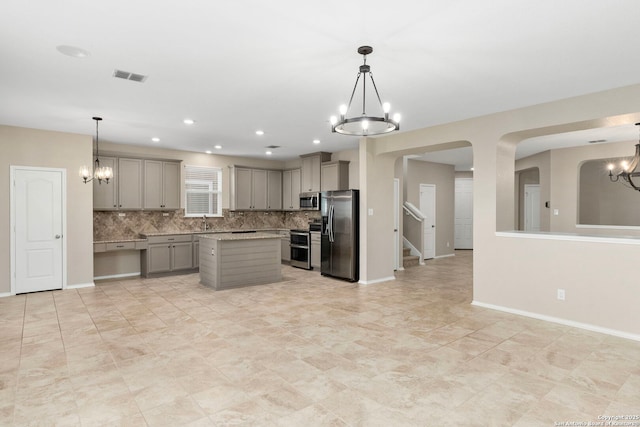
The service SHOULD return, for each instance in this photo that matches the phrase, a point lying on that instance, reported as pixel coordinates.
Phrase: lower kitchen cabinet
(286, 246)
(167, 254)
(315, 249)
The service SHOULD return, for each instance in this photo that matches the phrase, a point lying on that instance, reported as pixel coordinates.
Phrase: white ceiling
(285, 66)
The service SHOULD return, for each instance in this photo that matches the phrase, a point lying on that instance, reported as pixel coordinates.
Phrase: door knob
(58, 236)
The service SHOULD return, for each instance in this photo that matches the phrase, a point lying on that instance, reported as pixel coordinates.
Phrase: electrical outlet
(213, 252)
(165, 213)
(561, 294)
(120, 214)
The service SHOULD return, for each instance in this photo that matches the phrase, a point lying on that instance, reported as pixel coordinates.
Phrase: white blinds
(203, 191)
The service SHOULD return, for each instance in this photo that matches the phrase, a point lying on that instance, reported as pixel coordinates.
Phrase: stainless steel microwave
(310, 201)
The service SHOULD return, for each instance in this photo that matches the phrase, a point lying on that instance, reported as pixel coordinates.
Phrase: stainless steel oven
(300, 253)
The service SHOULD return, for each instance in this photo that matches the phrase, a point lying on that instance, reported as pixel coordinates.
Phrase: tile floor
(308, 351)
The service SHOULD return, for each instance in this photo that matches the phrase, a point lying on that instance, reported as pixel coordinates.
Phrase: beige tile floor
(308, 351)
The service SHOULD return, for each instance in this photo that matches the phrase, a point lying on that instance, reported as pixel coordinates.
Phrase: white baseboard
(445, 256)
(80, 285)
(371, 282)
(117, 276)
(5, 294)
(588, 327)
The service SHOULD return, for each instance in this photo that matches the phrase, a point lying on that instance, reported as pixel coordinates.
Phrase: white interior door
(396, 224)
(531, 207)
(38, 227)
(463, 232)
(428, 209)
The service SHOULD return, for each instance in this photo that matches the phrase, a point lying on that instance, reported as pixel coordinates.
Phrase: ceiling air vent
(272, 146)
(129, 76)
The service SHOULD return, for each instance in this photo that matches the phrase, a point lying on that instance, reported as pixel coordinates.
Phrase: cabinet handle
(119, 246)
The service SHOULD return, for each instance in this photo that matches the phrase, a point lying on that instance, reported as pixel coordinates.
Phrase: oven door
(300, 249)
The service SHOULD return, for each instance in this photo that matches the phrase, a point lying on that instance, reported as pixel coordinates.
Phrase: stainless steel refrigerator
(340, 234)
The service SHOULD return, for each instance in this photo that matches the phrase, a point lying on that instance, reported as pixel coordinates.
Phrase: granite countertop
(169, 233)
(143, 236)
(120, 240)
(240, 236)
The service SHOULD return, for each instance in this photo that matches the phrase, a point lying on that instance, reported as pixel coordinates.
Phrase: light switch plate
(556, 212)
(370, 212)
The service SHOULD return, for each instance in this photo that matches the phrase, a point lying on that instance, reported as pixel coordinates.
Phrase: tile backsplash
(113, 226)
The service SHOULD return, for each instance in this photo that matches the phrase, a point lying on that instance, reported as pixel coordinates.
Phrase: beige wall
(515, 272)
(443, 177)
(565, 173)
(31, 147)
(603, 202)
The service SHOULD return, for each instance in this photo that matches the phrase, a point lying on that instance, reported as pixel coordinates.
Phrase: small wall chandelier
(364, 125)
(101, 173)
(627, 169)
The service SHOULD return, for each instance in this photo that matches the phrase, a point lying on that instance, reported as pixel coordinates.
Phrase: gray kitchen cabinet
(181, 256)
(161, 185)
(158, 258)
(129, 183)
(196, 252)
(311, 170)
(274, 190)
(105, 196)
(259, 186)
(251, 189)
(315, 249)
(291, 190)
(167, 254)
(335, 176)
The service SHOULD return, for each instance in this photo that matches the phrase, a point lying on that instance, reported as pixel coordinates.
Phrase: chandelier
(365, 125)
(101, 173)
(627, 169)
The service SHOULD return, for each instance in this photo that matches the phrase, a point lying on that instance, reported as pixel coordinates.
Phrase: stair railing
(413, 229)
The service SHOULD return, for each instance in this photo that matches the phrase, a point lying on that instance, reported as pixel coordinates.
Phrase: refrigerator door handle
(331, 236)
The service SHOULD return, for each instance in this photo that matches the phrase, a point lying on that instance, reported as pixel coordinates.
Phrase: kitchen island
(231, 260)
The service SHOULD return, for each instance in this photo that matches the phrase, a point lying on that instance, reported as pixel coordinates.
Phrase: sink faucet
(205, 225)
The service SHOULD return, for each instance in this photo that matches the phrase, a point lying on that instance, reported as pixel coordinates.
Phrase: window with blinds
(203, 191)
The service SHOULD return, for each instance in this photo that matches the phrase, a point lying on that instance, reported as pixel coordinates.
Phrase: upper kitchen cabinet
(274, 190)
(129, 183)
(255, 189)
(291, 190)
(335, 176)
(311, 164)
(161, 185)
(105, 196)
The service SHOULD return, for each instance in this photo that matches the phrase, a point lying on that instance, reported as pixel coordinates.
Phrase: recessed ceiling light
(208, 151)
(218, 147)
(188, 121)
(259, 132)
(316, 141)
(155, 139)
(74, 52)
(268, 153)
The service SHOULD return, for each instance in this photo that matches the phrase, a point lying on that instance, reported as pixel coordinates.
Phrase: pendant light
(101, 173)
(364, 124)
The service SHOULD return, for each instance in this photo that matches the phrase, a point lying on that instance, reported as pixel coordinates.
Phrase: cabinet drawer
(170, 238)
(315, 236)
(99, 247)
(120, 246)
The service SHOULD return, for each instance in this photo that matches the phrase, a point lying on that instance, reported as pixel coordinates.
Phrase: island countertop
(240, 236)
